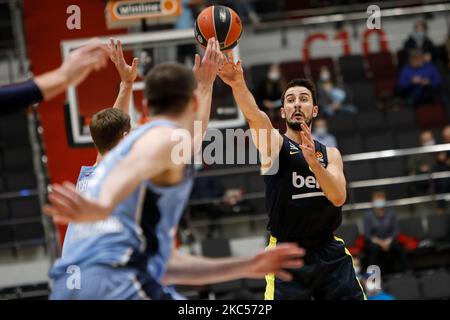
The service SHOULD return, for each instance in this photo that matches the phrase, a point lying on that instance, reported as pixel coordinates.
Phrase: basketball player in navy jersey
(137, 196)
(305, 189)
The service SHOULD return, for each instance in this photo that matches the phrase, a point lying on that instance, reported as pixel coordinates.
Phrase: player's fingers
(209, 50)
(283, 275)
(65, 195)
(291, 250)
(135, 63)
(61, 220)
(120, 50)
(60, 203)
(307, 139)
(293, 264)
(50, 210)
(197, 62)
(239, 66)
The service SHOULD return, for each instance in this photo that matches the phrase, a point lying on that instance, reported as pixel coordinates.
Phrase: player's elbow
(339, 200)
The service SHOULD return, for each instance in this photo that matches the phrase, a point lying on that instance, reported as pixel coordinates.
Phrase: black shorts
(327, 274)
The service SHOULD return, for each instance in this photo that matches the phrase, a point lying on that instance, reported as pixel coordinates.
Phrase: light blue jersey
(139, 233)
(86, 174)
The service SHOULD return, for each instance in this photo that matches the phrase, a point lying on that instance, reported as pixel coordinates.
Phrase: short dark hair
(308, 84)
(169, 88)
(107, 128)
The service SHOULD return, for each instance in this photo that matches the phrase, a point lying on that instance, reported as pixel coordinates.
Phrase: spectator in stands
(321, 134)
(331, 99)
(446, 134)
(271, 89)
(380, 230)
(421, 163)
(419, 80)
(269, 93)
(442, 185)
(419, 40)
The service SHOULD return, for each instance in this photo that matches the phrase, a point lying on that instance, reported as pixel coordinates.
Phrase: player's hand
(205, 69)
(307, 145)
(274, 260)
(232, 74)
(67, 205)
(127, 73)
(82, 61)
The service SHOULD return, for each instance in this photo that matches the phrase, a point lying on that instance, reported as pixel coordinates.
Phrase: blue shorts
(108, 283)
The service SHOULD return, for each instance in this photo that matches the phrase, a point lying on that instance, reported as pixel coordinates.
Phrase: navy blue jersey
(298, 209)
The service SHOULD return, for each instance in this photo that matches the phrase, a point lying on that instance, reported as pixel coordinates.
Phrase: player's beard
(296, 125)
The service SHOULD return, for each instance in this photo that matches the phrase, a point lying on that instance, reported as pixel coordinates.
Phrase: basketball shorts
(327, 274)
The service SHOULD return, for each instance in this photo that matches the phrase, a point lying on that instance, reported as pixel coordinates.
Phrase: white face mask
(274, 76)
(429, 143)
(320, 131)
(324, 76)
(379, 203)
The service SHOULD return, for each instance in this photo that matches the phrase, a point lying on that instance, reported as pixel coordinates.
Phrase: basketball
(220, 22)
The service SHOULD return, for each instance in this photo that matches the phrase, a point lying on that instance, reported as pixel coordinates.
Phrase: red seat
(292, 69)
(431, 116)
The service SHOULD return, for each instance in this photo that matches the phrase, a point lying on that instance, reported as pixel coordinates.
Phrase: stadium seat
(412, 227)
(20, 180)
(389, 167)
(431, 116)
(438, 226)
(371, 121)
(379, 141)
(25, 207)
(14, 130)
(6, 237)
(357, 195)
(436, 285)
(351, 144)
(359, 170)
(18, 158)
(400, 119)
(352, 68)
(397, 191)
(292, 69)
(407, 138)
(342, 123)
(405, 287)
(4, 214)
(362, 95)
(384, 73)
(29, 233)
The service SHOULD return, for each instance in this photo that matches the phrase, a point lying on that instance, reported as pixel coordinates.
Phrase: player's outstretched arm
(267, 140)
(205, 70)
(75, 68)
(194, 270)
(150, 156)
(128, 74)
